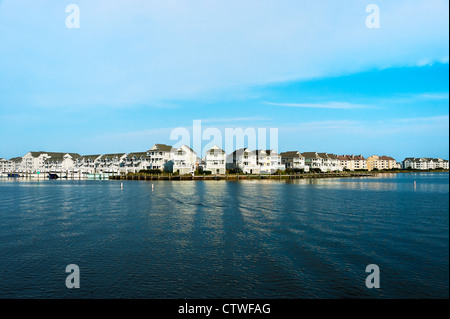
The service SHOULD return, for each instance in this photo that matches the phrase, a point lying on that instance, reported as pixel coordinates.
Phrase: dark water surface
(223, 239)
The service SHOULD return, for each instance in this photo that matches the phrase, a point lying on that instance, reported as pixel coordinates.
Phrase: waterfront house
(269, 161)
(161, 157)
(111, 163)
(312, 160)
(244, 160)
(440, 163)
(215, 160)
(331, 162)
(60, 162)
(87, 164)
(185, 160)
(14, 164)
(293, 160)
(136, 161)
(380, 162)
(323, 161)
(424, 163)
(352, 162)
(7, 166)
(33, 162)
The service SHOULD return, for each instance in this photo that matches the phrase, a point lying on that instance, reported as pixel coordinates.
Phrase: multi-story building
(33, 162)
(6, 166)
(185, 160)
(134, 162)
(380, 162)
(110, 163)
(161, 157)
(323, 161)
(269, 161)
(87, 164)
(215, 160)
(245, 160)
(60, 162)
(293, 160)
(352, 162)
(424, 163)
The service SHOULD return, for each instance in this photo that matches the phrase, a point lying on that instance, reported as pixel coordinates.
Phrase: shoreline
(237, 177)
(228, 177)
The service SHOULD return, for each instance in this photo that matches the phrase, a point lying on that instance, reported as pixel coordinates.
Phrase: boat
(14, 175)
(53, 176)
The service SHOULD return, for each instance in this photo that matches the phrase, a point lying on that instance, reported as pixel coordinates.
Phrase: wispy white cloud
(236, 119)
(430, 119)
(327, 105)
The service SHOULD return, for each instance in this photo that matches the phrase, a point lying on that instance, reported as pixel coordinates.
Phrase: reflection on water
(222, 239)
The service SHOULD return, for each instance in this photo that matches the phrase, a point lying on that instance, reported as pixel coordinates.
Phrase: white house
(185, 160)
(215, 160)
(161, 157)
(87, 164)
(269, 161)
(293, 160)
(134, 162)
(245, 160)
(424, 163)
(110, 163)
(324, 161)
(8, 166)
(60, 162)
(33, 162)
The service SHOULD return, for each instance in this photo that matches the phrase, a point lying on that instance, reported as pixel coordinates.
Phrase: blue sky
(135, 70)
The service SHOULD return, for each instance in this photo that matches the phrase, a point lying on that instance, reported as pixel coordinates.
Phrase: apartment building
(424, 163)
(352, 162)
(380, 162)
(324, 161)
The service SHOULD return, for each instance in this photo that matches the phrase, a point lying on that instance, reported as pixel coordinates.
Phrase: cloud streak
(327, 105)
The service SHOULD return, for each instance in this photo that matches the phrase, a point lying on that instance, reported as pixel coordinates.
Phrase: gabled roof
(242, 151)
(186, 148)
(161, 148)
(137, 154)
(215, 150)
(290, 154)
(54, 154)
(105, 156)
(265, 152)
(351, 157)
(310, 155)
(90, 157)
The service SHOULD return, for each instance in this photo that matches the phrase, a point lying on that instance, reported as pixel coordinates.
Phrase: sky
(136, 70)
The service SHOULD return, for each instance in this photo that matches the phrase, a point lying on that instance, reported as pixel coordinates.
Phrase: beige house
(352, 162)
(185, 160)
(381, 162)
